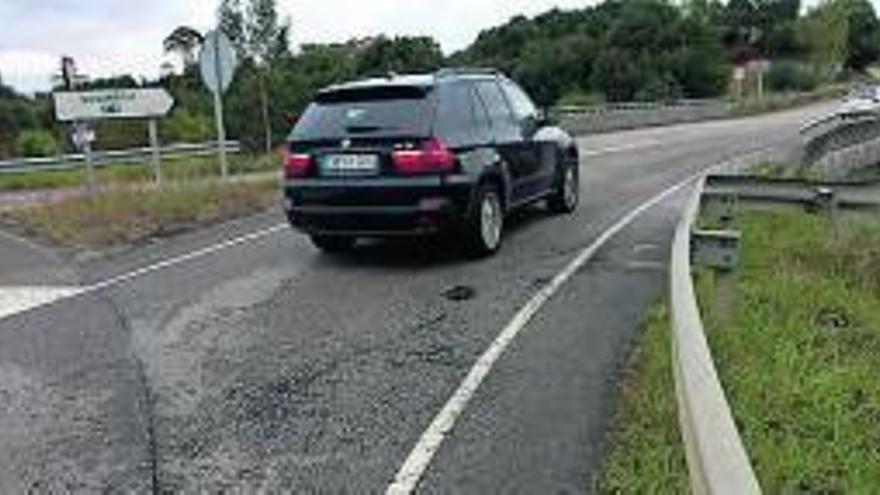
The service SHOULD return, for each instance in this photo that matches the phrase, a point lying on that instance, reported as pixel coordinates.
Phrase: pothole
(460, 293)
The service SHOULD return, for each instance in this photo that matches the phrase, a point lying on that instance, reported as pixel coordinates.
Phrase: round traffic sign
(217, 61)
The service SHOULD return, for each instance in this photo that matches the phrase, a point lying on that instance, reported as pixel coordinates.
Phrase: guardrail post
(718, 208)
(717, 249)
(826, 200)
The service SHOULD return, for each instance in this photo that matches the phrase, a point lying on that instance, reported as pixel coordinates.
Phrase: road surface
(240, 358)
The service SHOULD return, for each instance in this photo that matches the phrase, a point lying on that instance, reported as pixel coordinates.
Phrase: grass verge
(798, 350)
(173, 169)
(129, 214)
(645, 453)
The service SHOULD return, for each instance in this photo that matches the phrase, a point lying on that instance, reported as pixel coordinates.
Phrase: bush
(36, 143)
(185, 126)
(791, 76)
(579, 98)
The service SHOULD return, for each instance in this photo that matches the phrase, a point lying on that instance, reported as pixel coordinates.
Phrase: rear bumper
(377, 207)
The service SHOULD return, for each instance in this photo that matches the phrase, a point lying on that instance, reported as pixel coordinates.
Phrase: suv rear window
(369, 111)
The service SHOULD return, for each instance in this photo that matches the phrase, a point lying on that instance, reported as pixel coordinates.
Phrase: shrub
(791, 76)
(36, 143)
(185, 126)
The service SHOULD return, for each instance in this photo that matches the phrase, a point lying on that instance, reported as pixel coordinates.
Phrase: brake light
(297, 165)
(432, 157)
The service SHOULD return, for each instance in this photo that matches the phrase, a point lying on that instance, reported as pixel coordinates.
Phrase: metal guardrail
(104, 158)
(837, 132)
(717, 460)
(630, 106)
(616, 116)
(845, 194)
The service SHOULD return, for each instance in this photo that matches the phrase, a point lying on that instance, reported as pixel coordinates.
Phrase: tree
(824, 31)
(548, 68)
(742, 29)
(230, 17)
(183, 41)
(6, 92)
(401, 54)
(863, 40)
(267, 36)
(260, 37)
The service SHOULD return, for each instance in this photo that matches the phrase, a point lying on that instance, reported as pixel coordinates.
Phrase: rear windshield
(376, 111)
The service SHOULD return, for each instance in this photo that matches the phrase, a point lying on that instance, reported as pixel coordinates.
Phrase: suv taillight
(297, 165)
(432, 157)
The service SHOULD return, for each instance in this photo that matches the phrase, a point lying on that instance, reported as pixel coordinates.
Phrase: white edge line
(126, 277)
(650, 143)
(420, 457)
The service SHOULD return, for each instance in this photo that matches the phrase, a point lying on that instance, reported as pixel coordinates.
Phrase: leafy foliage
(400, 54)
(184, 40)
(613, 51)
(634, 49)
(36, 143)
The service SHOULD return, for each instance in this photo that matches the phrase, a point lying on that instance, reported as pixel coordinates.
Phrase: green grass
(645, 453)
(177, 169)
(129, 214)
(799, 353)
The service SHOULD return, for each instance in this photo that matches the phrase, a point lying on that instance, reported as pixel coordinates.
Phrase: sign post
(221, 134)
(82, 138)
(156, 157)
(82, 107)
(217, 62)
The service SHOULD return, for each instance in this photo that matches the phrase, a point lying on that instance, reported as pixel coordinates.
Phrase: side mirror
(543, 118)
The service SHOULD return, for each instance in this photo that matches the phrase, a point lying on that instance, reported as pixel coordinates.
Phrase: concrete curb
(717, 460)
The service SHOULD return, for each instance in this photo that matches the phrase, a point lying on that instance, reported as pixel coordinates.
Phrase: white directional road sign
(112, 104)
(217, 61)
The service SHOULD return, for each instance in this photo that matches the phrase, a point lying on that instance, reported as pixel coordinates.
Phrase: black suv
(453, 151)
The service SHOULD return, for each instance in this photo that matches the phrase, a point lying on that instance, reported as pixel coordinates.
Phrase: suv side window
(496, 104)
(481, 116)
(454, 120)
(523, 107)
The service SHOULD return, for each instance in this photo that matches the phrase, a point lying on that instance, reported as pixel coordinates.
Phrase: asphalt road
(263, 365)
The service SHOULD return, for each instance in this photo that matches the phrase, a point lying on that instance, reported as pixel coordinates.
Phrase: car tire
(566, 196)
(485, 223)
(333, 244)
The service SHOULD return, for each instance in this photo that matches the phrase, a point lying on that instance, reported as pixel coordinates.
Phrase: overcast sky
(110, 37)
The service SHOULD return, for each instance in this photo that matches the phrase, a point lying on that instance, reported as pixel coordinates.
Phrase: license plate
(351, 164)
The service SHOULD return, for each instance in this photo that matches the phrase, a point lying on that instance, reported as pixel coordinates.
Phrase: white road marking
(15, 300)
(420, 457)
(618, 149)
(125, 277)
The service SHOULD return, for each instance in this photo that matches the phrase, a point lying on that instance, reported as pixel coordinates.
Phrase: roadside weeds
(795, 334)
(799, 352)
(130, 214)
(644, 453)
(173, 170)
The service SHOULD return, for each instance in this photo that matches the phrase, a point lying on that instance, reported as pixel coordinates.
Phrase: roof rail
(467, 71)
